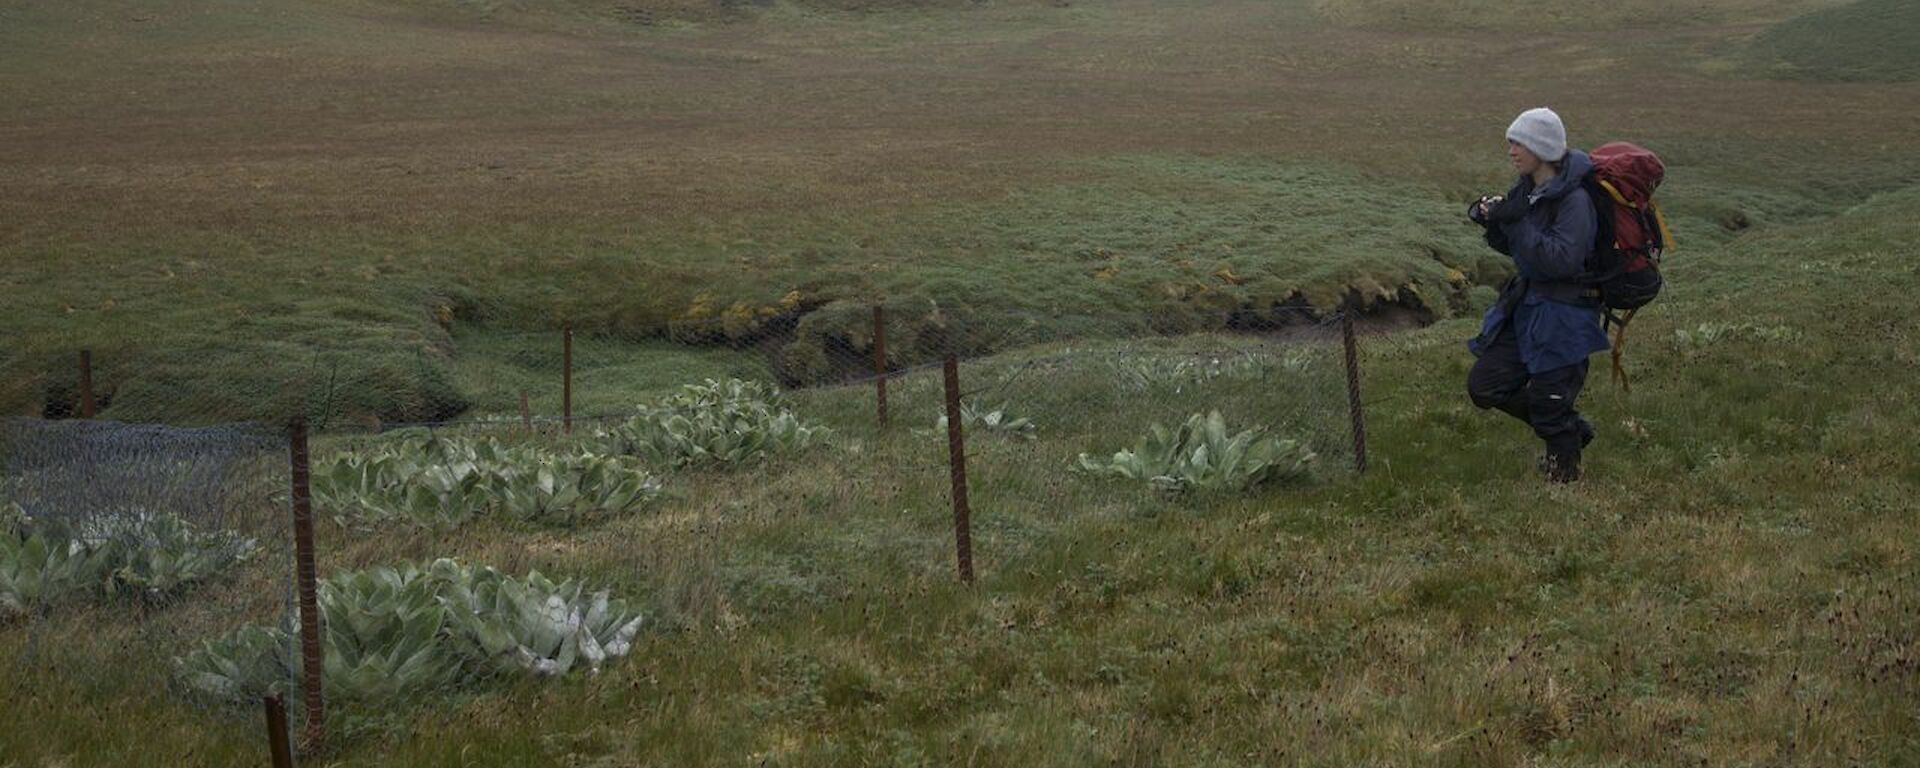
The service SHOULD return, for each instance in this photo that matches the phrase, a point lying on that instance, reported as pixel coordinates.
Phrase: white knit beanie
(1541, 132)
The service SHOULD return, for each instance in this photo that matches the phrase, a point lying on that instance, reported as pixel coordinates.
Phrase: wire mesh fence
(126, 548)
(977, 426)
(1051, 427)
(585, 368)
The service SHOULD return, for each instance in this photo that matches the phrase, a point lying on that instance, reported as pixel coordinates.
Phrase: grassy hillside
(370, 320)
(1732, 584)
(1485, 15)
(245, 210)
(1178, 242)
(242, 208)
(1863, 40)
(615, 14)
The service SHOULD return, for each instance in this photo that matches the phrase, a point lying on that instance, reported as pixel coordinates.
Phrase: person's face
(1523, 159)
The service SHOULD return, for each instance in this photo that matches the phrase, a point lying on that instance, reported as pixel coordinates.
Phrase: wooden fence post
(566, 385)
(880, 361)
(307, 577)
(87, 408)
(277, 742)
(957, 468)
(1355, 408)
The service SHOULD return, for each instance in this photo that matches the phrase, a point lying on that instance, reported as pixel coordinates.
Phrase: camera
(1480, 209)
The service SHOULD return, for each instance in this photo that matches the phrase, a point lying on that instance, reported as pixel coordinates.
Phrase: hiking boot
(1561, 462)
(1560, 468)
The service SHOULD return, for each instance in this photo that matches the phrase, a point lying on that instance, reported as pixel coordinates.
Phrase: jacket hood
(1573, 171)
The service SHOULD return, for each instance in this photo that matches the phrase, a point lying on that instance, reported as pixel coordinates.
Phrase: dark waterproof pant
(1543, 400)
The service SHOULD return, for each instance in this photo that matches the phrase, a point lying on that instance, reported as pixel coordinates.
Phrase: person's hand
(1478, 211)
(1504, 209)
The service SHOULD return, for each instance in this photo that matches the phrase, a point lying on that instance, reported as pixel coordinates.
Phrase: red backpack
(1632, 236)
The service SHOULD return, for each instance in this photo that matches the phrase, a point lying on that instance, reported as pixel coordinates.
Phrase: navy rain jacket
(1550, 307)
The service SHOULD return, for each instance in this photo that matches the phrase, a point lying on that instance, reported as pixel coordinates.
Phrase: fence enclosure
(998, 419)
(174, 535)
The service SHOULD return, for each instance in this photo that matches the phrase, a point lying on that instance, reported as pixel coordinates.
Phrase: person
(1531, 354)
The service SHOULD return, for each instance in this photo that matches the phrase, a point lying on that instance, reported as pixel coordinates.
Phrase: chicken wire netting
(1123, 412)
(552, 450)
(126, 548)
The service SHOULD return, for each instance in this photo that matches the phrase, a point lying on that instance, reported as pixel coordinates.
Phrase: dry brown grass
(318, 118)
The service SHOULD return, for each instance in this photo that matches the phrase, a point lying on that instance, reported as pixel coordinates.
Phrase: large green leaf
(1204, 454)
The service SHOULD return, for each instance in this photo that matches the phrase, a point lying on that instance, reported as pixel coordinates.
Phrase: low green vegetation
(1170, 375)
(716, 423)
(1171, 244)
(1862, 40)
(448, 482)
(494, 365)
(146, 556)
(1731, 579)
(36, 571)
(1707, 335)
(1122, 214)
(1623, 16)
(1203, 454)
(400, 636)
(649, 14)
(1152, 244)
(995, 421)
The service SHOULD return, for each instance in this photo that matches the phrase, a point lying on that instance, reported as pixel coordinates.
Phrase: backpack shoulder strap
(1613, 192)
(1603, 197)
(1660, 223)
(1618, 324)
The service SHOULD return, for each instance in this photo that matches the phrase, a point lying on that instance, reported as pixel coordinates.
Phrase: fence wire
(126, 547)
(579, 432)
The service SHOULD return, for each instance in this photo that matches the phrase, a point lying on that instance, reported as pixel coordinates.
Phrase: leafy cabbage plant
(714, 393)
(383, 632)
(248, 665)
(717, 422)
(37, 570)
(539, 626)
(395, 633)
(446, 482)
(996, 421)
(136, 552)
(158, 555)
(1203, 454)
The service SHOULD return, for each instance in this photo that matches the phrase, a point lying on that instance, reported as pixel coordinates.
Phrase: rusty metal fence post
(277, 741)
(880, 361)
(86, 384)
(566, 383)
(1356, 409)
(957, 466)
(526, 413)
(307, 576)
